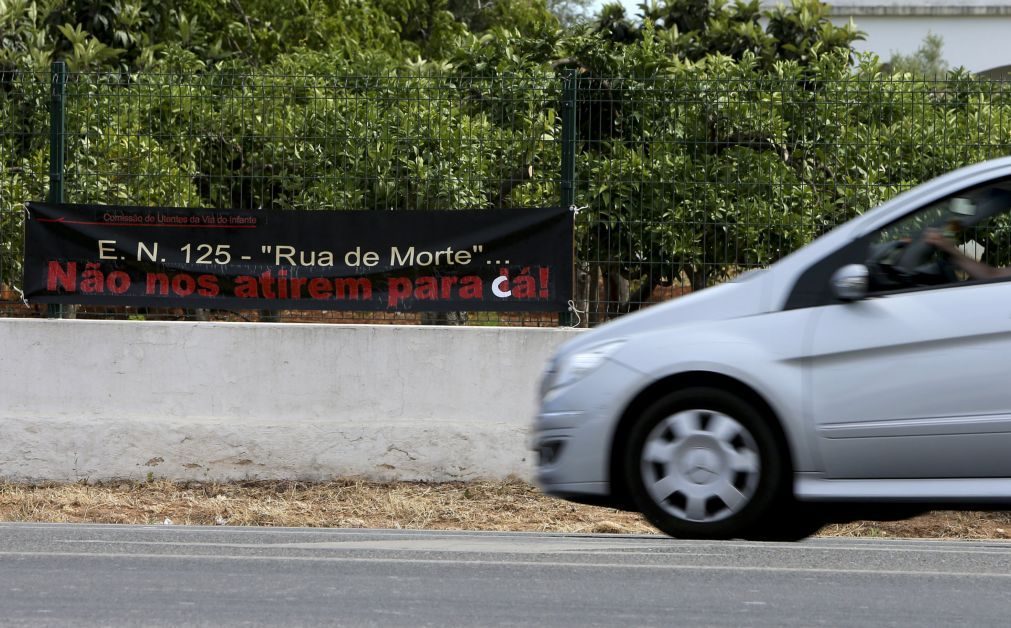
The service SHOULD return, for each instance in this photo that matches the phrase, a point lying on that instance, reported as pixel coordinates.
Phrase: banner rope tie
(25, 301)
(575, 310)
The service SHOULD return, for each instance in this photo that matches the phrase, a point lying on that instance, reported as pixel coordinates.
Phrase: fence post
(568, 174)
(57, 148)
(569, 139)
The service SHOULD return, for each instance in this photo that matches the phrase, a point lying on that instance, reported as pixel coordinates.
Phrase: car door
(915, 381)
(914, 385)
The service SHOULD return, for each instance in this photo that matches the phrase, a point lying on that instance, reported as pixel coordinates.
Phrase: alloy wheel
(700, 466)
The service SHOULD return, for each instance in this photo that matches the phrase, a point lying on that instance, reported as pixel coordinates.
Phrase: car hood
(745, 296)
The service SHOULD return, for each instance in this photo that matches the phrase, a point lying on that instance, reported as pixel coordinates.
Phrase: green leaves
(711, 136)
(87, 52)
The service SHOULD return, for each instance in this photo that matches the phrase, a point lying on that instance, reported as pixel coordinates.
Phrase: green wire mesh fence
(680, 182)
(689, 182)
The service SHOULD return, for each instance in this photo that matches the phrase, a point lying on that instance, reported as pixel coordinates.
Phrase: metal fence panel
(24, 172)
(687, 182)
(310, 142)
(681, 182)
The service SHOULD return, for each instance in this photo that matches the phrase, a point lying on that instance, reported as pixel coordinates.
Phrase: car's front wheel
(702, 463)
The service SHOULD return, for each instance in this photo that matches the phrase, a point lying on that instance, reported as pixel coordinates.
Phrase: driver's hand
(937, 239)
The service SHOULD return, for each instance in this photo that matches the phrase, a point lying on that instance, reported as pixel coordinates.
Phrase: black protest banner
(464, 260)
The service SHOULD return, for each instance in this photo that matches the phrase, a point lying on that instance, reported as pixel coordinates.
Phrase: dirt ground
(510, 505)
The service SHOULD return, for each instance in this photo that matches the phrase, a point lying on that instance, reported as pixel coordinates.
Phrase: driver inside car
(975, 269)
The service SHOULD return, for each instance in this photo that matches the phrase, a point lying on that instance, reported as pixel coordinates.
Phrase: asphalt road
(86, 575)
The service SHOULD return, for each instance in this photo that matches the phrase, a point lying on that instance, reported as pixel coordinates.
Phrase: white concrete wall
(100, 400)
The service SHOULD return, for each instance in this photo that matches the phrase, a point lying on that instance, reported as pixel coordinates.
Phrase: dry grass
(510, 505)
(942, 524)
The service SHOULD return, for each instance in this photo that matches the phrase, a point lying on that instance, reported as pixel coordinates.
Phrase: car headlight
(571, 368)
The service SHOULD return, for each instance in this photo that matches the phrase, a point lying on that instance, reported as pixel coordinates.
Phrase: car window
(962, 238)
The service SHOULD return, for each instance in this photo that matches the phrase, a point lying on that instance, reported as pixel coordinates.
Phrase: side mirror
(850, 282)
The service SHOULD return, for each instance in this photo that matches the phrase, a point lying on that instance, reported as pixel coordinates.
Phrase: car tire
(702, 463)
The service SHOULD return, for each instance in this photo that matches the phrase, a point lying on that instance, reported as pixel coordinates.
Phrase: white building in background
(976, 33)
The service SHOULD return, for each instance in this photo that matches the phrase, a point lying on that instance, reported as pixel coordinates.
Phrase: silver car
(866, 375)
